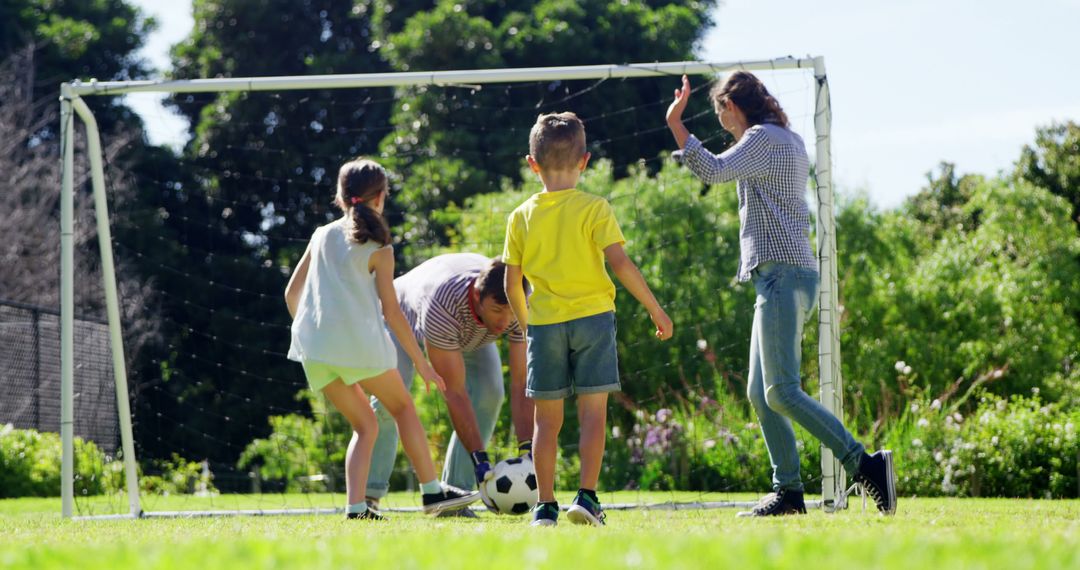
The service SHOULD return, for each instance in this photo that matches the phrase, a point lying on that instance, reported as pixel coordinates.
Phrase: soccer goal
(565, 84)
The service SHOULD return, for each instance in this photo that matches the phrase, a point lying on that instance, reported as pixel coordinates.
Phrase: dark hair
(360, 181)
(557, 141)
(751, 97)
(490, 282)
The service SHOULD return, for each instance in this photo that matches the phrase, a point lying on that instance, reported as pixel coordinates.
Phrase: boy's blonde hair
(557, 141)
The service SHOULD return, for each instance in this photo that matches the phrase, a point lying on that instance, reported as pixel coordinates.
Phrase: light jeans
(483, 383)
(786, 296)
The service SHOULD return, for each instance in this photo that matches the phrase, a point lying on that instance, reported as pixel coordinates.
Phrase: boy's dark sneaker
(782, 502)
(545, 514)
(450, 498)
(370, 515)
(878, 479)
(584, 510)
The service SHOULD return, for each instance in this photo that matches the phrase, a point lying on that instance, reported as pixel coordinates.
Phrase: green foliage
(1053, 163)
(30, 465)
(305, 454)
(1017, 447)
(482, 132)
(178, 476)
(980, 292)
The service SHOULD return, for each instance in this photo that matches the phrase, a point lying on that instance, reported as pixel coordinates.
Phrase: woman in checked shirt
(769, 163)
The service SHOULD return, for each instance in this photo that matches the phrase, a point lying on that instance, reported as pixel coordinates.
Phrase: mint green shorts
(320, 374)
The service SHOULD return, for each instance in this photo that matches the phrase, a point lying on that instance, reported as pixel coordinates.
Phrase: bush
(1007, 448)
(30, 465)
(178, 476)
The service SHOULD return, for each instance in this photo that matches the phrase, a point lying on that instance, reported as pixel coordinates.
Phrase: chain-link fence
(30, 374)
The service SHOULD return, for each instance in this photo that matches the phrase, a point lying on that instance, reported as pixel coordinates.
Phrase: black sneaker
(450, 498)
(370, 515)
(545, 514)
(782, 502)
(584, 510)
(878, 479)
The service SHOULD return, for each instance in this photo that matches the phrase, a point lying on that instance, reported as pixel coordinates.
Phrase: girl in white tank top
(342, 299)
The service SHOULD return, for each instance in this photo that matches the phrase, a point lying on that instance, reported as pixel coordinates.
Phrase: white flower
(959, 419)
(923, 422)
(915, 407)
(935, 405)
(907, 371)
(702, 344)
(900, 364)
(939, 456)
(710, 443)
(916, 442)
(615, 432)
(994, 440)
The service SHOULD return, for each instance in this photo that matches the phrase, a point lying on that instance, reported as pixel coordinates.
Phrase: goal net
(215, 420)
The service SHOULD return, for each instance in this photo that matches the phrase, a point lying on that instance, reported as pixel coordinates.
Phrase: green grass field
(926, 533)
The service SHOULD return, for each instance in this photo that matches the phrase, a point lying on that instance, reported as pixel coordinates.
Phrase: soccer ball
(512, 490)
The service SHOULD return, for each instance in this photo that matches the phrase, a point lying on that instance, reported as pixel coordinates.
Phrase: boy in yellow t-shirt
(559, 239)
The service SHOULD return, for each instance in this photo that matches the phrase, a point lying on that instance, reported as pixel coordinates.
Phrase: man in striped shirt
(457, 307)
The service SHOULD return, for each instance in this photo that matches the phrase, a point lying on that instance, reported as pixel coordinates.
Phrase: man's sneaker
(371, 515)
(450, 498)
(878, 479)
(545, 514)
(372, 503)
(584, 510)
(465, 513)
(782, 502)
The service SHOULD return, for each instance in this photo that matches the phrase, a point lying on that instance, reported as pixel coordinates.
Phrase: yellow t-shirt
(558, 239)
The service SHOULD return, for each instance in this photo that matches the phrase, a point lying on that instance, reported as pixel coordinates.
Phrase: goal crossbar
(71, 104)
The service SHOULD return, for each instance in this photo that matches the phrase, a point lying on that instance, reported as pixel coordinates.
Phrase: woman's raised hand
(682, 97)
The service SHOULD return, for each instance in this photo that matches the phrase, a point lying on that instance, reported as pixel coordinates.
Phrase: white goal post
(71, 104)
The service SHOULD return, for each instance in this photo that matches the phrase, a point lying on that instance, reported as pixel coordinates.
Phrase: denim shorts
(575, 357)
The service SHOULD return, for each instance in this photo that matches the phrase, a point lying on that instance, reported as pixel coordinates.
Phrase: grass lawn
(926, 533)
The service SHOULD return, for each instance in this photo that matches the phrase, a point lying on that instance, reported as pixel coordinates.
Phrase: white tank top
(339, 320)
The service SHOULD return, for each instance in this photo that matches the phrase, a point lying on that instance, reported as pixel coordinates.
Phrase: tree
(451, 143)
(43, 43)
(1053, 163)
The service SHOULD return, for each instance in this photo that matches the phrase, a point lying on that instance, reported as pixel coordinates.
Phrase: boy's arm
(631, 278)
(382, 262)
(295, 288)
(515, 293)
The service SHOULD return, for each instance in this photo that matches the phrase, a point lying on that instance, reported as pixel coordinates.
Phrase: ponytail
(369, 225)
(360, 182)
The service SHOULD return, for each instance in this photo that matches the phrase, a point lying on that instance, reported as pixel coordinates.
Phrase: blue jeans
(786, 296)
(483, 383)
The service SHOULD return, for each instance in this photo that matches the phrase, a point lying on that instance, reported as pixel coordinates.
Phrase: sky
(912, 83)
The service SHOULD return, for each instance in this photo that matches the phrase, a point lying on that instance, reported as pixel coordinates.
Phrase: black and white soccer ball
(512, 490)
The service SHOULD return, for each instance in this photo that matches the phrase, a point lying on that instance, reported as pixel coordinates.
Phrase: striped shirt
(435, 299)
(770, 164)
